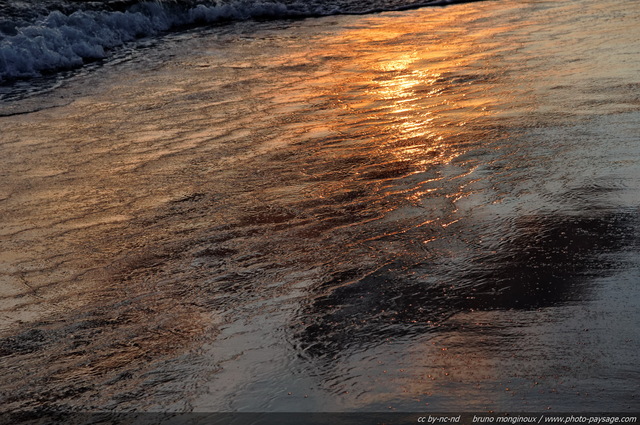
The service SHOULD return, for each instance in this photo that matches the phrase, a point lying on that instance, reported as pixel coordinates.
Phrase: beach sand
(428, 209)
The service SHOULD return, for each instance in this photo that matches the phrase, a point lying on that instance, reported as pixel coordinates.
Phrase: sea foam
(60, 41)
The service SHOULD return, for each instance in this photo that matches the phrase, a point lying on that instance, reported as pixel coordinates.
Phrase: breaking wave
(64, 38)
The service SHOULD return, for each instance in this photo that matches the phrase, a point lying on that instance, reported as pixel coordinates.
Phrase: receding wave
(63, 38)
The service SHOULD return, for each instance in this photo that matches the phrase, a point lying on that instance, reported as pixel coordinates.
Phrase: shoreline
(343, 214)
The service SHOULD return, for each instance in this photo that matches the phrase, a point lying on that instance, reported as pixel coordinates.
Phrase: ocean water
(46, 36)
(320, 207)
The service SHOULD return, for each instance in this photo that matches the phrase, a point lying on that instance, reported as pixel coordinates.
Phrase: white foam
(62, 41)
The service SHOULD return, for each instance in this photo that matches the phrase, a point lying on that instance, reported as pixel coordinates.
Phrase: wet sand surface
(430, 209)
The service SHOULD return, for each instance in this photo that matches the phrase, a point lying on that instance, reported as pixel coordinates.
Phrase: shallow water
(430, 209)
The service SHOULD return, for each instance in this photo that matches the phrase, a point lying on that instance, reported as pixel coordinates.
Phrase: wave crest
(64, 40)
(61, 41)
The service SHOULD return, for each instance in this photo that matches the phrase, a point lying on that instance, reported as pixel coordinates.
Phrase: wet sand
(430, 209)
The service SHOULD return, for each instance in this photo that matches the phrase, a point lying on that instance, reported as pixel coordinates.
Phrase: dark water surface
(406, 211)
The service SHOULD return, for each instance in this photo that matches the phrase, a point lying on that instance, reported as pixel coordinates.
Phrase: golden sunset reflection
(332, 143)
(408, 107)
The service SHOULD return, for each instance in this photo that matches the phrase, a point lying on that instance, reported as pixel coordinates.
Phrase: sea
(50, 35)
(319, 206)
